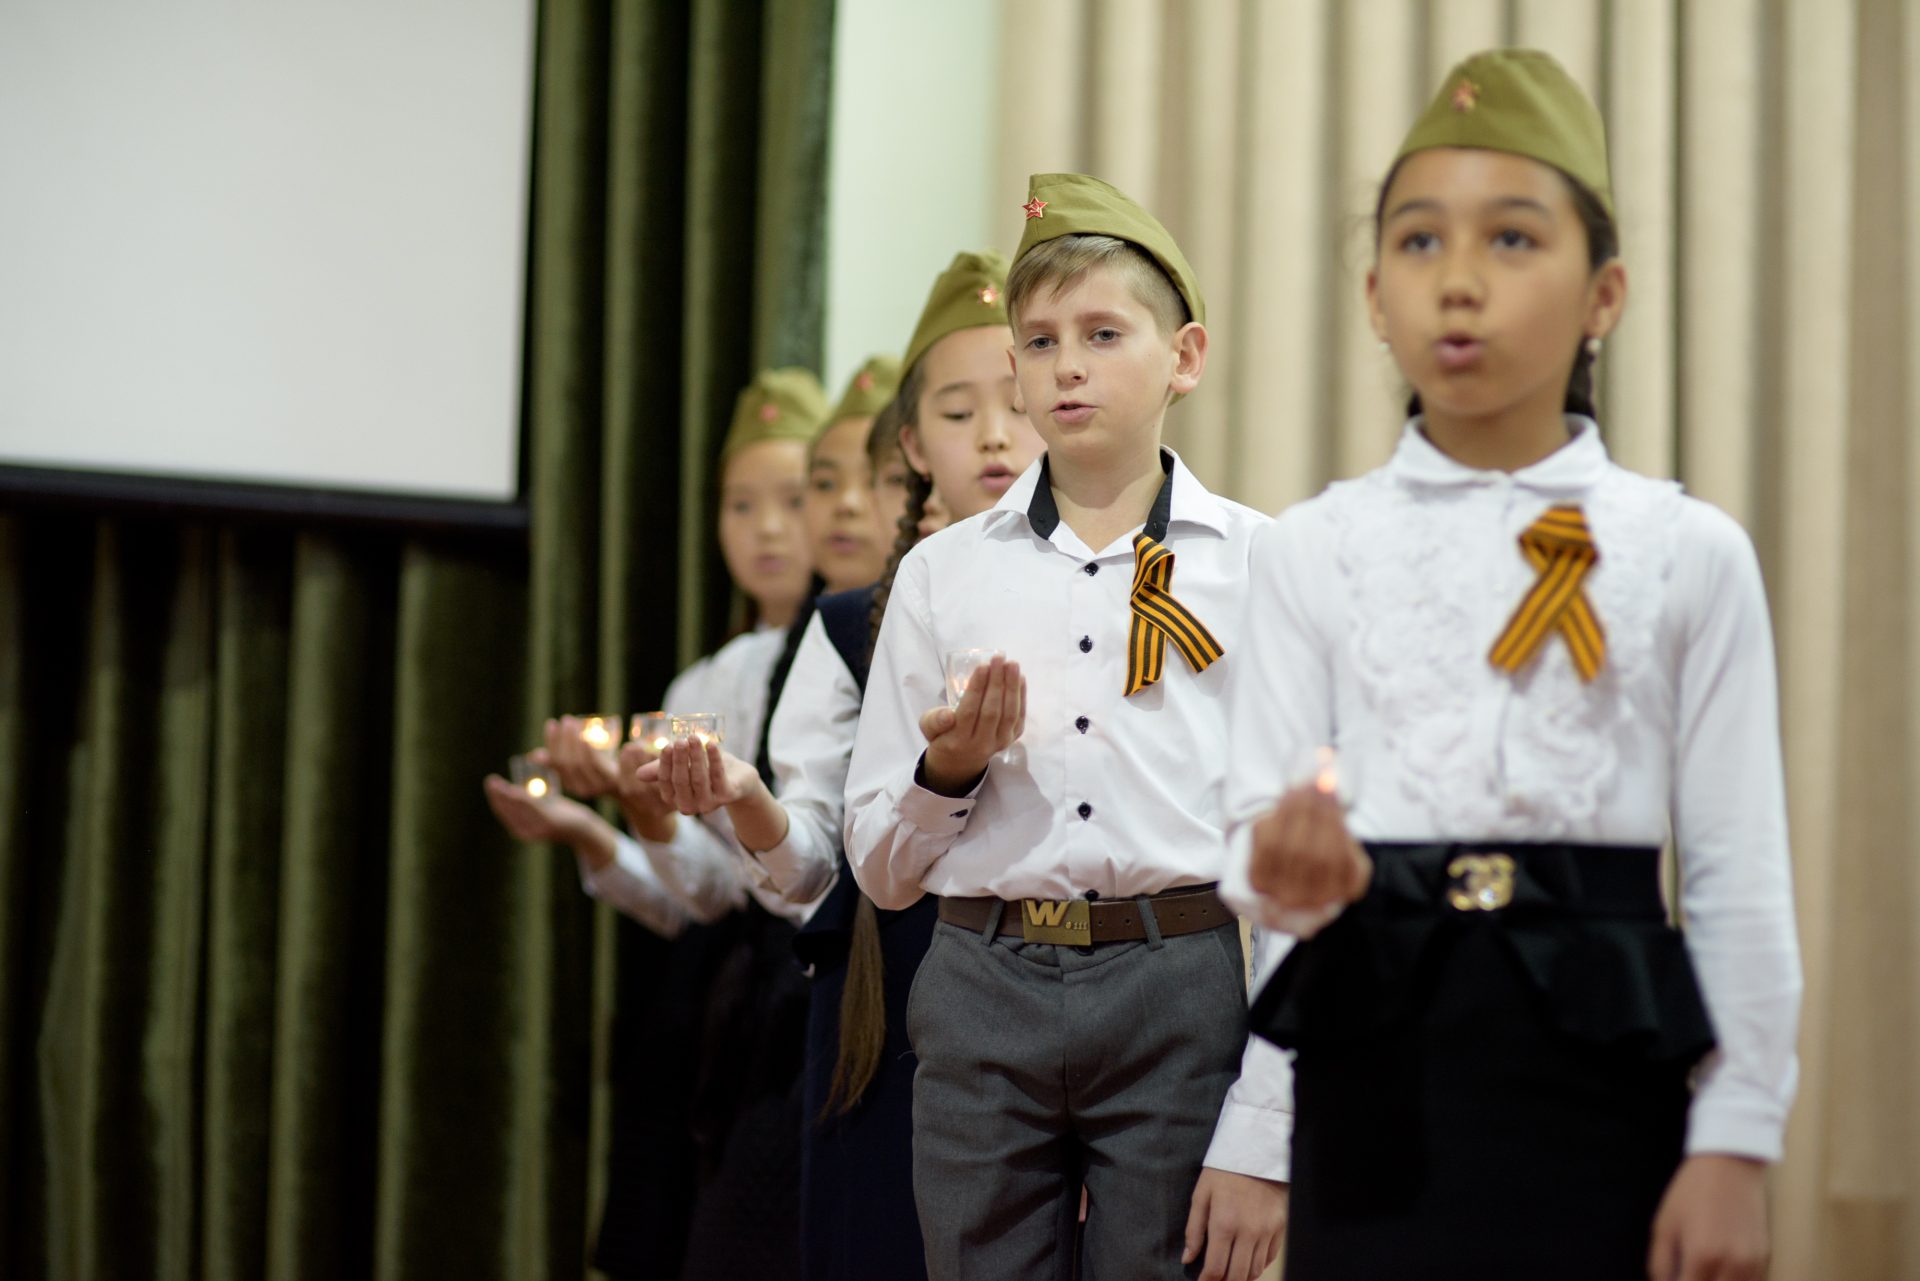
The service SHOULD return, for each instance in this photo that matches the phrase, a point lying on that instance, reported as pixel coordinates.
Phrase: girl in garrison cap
(704, 1167)
(954, 417)
(1537, 667)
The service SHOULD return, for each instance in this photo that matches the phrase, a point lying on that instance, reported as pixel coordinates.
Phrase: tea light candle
(540, 781)
(654, 729)
(961, 665)
(601, 733)
(702, 727)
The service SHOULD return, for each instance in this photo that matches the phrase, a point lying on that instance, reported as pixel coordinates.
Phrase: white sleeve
(1730, 827)
(1255, 1132)
(895, 828)
(1281, 696)
(630, 886)
(700, 867)
(810, 741)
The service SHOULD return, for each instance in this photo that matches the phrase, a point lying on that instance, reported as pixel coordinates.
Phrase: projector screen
(266, 243)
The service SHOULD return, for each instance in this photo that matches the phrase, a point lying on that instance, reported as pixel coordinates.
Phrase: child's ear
(910, 446)
(1019, 401)
(1606, 298)
(1189, 357)
(1375, 317)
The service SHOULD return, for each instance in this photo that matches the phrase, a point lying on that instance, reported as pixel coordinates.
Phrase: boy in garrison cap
(1081, 1015)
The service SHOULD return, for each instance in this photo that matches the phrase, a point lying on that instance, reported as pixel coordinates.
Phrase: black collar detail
(1044, 514)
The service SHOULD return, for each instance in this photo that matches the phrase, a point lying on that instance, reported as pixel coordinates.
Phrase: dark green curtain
(277, 998)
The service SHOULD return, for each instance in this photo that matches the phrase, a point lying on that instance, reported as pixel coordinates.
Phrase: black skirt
(1492, 1054)
(858, 1219)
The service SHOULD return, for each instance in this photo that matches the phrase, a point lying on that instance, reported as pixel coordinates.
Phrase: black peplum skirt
(1492, 1053)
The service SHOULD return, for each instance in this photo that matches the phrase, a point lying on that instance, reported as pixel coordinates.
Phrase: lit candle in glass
(601, 733)
(961, 665)
(1322, 769)
(702, 727)
(654, 729)
(540, 781)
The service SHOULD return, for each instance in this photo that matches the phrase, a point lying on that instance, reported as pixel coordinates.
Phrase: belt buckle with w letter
(1068, 921)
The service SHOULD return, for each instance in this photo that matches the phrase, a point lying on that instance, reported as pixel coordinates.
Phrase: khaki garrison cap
(779, 404)
(1523, 102)
(1074, 204)
(868, 391)
(970, 293)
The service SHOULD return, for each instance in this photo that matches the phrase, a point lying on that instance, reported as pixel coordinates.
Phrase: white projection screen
(268, 244)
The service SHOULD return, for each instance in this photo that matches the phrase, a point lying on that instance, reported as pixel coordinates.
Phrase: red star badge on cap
(769, 413)
(1034, 207)
(989, 295)
(1466, 96)
(864, 382)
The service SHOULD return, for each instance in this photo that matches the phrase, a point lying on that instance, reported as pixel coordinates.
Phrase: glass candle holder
(1322, 769)
(702, 727)
(541, 781)
(654, 730)
(961, 664)
(601, 732)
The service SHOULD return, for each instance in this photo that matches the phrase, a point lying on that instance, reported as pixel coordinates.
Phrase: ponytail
(863, 1001)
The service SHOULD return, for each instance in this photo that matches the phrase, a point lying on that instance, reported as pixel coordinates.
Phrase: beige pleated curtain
(1767, 171)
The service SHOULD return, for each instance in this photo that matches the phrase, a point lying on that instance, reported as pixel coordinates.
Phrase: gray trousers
(1041, 1065)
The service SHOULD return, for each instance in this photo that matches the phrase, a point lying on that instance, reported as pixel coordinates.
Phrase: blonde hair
(1065, 260)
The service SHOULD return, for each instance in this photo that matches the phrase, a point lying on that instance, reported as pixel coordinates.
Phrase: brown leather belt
(1187, 910)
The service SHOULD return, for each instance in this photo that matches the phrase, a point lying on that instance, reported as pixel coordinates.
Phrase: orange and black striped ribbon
(1159, 618)
(1561, 551)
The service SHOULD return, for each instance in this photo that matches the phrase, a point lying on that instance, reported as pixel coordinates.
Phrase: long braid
(905, 411)
(863, 1001)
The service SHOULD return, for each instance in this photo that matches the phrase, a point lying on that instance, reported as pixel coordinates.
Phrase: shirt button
(1086, 644)
(1081, 724)
(1086, 810)
(1092, 569)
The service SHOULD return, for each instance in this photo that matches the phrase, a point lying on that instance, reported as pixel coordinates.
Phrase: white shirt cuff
(935, 814)
(1735, 1127)
(1252, 1140)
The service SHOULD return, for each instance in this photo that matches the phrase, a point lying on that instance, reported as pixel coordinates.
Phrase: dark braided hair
(863, 1001)
(1603, 245)
(906, 410)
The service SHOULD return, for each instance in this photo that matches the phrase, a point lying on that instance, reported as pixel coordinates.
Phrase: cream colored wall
(916, 88)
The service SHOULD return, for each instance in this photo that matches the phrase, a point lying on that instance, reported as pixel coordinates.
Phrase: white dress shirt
(1102, 792)
(702, 869)
(1376, 604)
(810, 743)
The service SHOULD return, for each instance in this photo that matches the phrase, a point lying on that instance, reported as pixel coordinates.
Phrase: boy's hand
(584, 772)
(1712, 1224)
(1240, 1220)
(1304, 859)
(692, 777)
(960, 741)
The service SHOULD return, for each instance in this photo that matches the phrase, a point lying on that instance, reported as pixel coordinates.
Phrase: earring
(1593, 348)
(1386, 348)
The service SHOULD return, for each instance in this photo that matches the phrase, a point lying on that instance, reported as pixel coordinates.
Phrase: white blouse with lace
(1377, 603)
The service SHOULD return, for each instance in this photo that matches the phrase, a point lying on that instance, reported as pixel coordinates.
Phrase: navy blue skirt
(1492, 1053)
(857, 1216)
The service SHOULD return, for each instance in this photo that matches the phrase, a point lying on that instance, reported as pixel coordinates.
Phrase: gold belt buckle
(1068, 921)
(1485, 882)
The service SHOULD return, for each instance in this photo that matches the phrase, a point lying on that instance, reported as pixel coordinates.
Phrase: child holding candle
(718, 1172)
(955, 418)
(1539, 667)
(1080, 1016)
